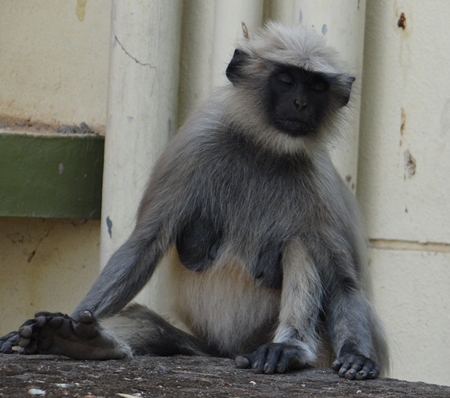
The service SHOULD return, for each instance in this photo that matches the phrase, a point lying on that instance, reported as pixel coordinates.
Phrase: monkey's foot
(9, 343)
(357, 367)
(59, 334)
(273, 358)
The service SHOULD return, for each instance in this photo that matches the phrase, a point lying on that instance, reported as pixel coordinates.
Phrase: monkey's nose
(300, 105)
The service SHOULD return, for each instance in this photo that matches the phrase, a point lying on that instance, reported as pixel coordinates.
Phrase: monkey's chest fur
(251, 205)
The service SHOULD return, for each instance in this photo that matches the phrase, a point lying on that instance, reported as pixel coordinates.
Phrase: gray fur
(249, 192)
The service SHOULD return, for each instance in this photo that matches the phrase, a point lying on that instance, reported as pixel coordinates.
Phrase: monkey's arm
(295, 342)
(167, 202)
(355, 332)
(126, 273)
(351, 328)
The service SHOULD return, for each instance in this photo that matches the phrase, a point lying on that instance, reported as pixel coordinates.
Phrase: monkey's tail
(147, 333)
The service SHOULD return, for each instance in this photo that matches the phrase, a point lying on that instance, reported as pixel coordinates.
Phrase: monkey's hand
(357, 367)
(59, 334)
(273, 358)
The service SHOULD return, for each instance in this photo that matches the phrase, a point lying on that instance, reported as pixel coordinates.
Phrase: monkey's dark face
(297, 100)
(294, 100)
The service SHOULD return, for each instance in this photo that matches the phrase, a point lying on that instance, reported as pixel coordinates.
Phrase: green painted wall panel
(51, 175)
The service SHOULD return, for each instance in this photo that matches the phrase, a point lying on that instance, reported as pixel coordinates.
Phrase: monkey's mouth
(294, 127)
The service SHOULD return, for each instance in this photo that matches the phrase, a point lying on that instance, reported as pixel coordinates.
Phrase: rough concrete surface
(50, 376)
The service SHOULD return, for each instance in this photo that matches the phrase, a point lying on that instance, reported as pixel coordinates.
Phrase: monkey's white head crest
(288, 88)
(293, 45)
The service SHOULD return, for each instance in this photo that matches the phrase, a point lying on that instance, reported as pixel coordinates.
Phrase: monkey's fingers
(272, 358)
(247, 361)
(356, 367)
(243, 361)
(370, 370)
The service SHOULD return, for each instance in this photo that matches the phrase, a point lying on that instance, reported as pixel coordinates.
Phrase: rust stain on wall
(410, 165)
(402, 125)
(401, 23)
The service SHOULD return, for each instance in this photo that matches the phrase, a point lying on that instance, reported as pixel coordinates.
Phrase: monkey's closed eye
(319, 86)
(285, 78)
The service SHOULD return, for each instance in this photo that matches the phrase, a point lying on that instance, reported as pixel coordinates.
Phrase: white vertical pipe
(142, 107)
(341, 22)
(228, 20)
(210, 31)
(196, 55)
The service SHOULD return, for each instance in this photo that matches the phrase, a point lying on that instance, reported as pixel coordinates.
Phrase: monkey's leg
(134, 331)
(147, 333)
(295, 341)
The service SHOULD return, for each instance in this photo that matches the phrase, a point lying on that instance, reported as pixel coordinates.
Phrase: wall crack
(33, 253)
(131, 56)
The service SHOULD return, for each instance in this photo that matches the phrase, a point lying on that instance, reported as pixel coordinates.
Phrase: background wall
(45, 265)
(403, 183)
(54, 68)
(54, 63)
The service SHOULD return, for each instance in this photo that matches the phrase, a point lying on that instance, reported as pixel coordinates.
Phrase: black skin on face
(297, 100)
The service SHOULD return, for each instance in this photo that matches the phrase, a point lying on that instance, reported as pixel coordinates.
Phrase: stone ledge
(25, 376)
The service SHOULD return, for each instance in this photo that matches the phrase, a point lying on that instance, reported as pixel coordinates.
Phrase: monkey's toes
(9, 341)
(85, 325)
(25, 334)
(26, 337)
(85, 316)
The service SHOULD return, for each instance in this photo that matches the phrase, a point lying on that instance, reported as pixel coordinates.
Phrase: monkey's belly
(198, 246)
(222, 305)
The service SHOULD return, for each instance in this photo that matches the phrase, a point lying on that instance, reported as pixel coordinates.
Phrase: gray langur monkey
(265, 240)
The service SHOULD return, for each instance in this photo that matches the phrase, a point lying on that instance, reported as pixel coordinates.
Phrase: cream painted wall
(403, 182)
(45, 265)
(54, 60)
(53, 69)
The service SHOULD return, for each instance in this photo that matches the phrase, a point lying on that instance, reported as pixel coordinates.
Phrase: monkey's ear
(235, 67)
(345, 82)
